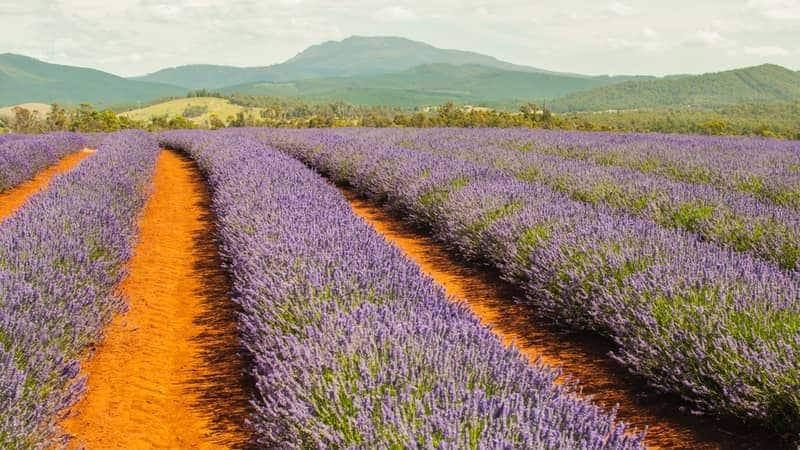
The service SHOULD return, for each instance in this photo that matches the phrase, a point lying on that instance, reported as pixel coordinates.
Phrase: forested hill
(432, 84)
(764, 83)
(24, 79)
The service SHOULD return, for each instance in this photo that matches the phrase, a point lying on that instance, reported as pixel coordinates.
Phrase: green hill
(431, 84)
(354, 56)
(765, 83)
(24, 79)
(209, 106)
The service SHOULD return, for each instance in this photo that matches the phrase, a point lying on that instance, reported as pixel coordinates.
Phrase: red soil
(12, 199)
(581, 357)
(168, 374)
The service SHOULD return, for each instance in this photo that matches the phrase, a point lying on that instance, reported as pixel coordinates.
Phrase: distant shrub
(193, 111)
(215, 122)
(714, 127)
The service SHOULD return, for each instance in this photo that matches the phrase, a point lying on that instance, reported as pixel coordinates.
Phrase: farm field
(204, 107)
(41, 109)
(651, 288)
(398, 288)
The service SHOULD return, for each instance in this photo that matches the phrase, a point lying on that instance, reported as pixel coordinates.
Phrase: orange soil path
(168, 374)
(12, 199)
(581, 357)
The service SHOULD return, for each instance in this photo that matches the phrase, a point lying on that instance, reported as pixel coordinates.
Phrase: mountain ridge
(397, 72)
(429, 83)
(761, 83)
(25, 79)
(353, 56)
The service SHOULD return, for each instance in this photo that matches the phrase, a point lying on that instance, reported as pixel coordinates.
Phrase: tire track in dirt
(168, 373)
(13, 199)
(581, 356)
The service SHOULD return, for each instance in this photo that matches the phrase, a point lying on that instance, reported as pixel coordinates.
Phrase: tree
(25, 120)
(57, 119)
(238, 121)
(215, 123)
(420, 120)
(180, 123)
(529, 111)
(714, 127)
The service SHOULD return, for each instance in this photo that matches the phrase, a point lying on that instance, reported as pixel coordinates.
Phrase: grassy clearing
(220, 107)
(40, 108)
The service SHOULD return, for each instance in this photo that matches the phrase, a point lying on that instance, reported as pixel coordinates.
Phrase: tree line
(780, 120)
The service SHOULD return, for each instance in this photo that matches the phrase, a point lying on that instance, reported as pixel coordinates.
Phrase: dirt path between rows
(168, 374)
(581, 357)
(12, 199)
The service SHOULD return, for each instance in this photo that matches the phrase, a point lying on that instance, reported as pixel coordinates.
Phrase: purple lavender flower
(22, 156)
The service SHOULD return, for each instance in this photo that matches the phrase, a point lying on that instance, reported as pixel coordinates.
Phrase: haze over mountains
(397, 72)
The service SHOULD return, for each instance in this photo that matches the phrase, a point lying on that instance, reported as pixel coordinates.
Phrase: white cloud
(776, 9)
(729, 25)
(165, 11)
(647, 40)
(711, 39)
(619, 36)
(619, 9)
(766, 51)
(16, 7)
(395, 14)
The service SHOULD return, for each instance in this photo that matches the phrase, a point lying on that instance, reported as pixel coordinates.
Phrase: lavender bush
(352, 347)
(61, 255)
(766, 168)
(737, 220)
(22, 156)
(7, 137)
(95, 140)
(720, 328)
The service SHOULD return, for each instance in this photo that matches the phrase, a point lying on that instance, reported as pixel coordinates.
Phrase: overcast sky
(132, 37)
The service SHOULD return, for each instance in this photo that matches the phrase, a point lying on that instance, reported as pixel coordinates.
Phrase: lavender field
(681, 254)
(60, 258)
(694, 312)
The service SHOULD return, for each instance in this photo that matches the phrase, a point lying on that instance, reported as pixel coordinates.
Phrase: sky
(134, 37)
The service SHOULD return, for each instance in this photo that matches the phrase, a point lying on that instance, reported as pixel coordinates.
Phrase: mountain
(398, 72)
(765, 83)
(354, 56)
(24, 79)
(359, 55)
(431, 84)
(207, 76)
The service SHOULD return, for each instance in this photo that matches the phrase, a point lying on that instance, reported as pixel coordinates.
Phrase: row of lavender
(10, 137)
(61, 255)
(22, 156)
(351, 346)
(766, 168)
(720, 328)
(734, 219)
